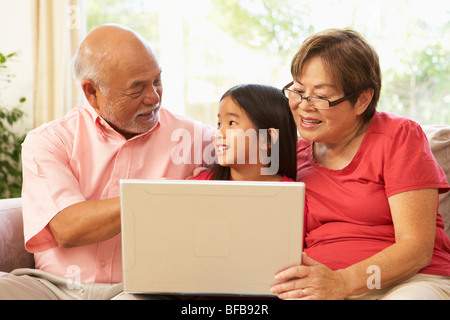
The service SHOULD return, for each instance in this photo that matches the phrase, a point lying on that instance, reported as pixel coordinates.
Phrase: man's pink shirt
(80, 157)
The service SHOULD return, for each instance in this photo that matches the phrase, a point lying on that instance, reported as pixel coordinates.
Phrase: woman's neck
(338, 155)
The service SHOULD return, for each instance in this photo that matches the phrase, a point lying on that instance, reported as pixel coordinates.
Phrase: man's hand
(196, 172)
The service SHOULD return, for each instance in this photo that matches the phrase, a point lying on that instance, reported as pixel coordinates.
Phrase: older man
(72, 167)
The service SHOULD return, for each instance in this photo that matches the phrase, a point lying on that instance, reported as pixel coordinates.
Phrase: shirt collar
(105, 131)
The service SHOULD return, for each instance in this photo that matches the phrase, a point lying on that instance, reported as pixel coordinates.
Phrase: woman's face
(328, 126)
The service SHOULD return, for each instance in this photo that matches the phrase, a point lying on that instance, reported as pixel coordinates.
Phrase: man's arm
(86, 223)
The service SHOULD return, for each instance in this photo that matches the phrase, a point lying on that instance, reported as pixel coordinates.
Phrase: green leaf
(10, 140)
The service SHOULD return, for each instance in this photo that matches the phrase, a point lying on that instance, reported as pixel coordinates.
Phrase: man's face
(132, 101)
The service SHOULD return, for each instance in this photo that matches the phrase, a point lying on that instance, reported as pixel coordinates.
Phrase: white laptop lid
(209, 237)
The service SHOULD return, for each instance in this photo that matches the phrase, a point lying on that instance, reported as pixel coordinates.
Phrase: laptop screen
(209, 237)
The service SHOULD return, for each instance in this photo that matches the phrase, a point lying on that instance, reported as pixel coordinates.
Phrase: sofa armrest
(439, 139)
(12, 248)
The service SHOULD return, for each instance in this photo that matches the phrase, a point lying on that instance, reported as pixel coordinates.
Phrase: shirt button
(103, 264)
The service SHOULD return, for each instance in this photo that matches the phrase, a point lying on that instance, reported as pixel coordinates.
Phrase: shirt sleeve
(49, 186)
(410, 164)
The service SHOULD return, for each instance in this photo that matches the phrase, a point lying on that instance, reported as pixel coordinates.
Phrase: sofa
(13, 254)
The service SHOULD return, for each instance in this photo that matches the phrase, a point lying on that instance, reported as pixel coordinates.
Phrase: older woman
(373, 229)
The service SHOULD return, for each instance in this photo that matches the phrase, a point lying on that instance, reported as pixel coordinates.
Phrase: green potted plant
(10, 139)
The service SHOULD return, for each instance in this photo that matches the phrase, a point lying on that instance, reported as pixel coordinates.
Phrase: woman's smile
(309, 123)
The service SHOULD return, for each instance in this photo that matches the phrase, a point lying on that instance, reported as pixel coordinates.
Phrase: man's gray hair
(88, 69)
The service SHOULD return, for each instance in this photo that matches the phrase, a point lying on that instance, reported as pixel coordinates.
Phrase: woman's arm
(414, 219)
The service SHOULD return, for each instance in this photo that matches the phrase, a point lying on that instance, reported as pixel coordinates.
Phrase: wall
(16, 36)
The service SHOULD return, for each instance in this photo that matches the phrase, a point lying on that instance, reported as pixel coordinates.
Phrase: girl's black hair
(267, 107)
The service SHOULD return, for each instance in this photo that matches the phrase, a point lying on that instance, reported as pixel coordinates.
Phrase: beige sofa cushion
(12, 250)
(439, 138)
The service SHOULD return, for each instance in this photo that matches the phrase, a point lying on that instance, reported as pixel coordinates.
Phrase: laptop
(209, 237)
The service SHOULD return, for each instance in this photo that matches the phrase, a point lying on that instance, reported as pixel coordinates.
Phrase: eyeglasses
(317, 103)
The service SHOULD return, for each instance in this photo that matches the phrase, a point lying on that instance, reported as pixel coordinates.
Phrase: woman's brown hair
(352, 62)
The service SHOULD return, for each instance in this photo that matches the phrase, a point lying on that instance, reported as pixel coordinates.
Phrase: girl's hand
(309, 281)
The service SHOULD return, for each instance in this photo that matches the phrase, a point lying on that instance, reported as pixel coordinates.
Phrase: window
(207, 46)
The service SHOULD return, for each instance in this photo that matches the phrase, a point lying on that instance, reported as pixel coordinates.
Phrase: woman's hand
(309, 281)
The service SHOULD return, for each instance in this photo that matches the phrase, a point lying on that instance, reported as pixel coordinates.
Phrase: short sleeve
(49, 186)
(409, 163)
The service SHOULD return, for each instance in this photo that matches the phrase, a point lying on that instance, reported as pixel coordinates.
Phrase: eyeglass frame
(330, 103)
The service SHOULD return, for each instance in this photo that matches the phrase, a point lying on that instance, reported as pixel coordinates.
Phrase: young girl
(256, 137)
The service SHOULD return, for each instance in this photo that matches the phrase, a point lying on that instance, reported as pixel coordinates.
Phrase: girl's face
(236, 140)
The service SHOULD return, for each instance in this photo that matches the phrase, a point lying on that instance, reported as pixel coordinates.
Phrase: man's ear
(364, 100)
(91, 92)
